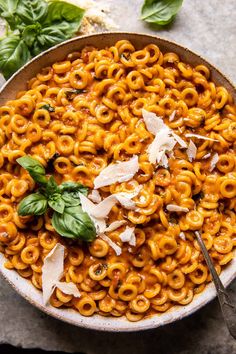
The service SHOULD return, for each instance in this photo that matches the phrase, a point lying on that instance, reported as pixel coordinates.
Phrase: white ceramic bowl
(23, 286)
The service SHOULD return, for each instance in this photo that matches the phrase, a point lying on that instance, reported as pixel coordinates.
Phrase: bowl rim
(97, 322)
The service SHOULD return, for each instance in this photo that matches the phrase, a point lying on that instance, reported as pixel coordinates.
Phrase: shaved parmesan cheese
(173, 207)
(128, 236)
(206, 156)
(191, 151)
(118, 172)
(68, 288)
(115, 225)
(179, 140)
(172, 116)
(191, 135)
(52, 271)
(125, 198)
(162, 159)
(102, 209)
(182, 236)
(95, 196)
(88, 207)
(98, 212)
(112, 244)
(164, 141)
(152, 121)
(214, 161)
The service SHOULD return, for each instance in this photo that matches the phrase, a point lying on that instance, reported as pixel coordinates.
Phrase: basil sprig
(33, 204)
(35, 25)
(35, 169)
(160, 12)
(68, 219)
(73, 222)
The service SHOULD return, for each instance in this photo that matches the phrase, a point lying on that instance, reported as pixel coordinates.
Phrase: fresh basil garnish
(8, 12)
(74, 223)
(35, 169)
(48, 108)
(73, 188)
(31, 11)
(57, 204)
(33, 204)
(37, 25)
(70, 193)
(30, 33)
(160, 12)
(13, 54)
(51, 187)
(69, 220)
(72, 93)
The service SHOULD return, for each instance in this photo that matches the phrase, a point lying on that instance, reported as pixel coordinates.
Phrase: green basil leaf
(13, 54)
(31, 11)
(8, 12)
(54, 34)
(69, 200)
(59, 11)
(62, 22)
(30, 33)
(74, 188)
(35, 169)
(48, 108)
(160, 12)
(58, 204)
(51, 36)
(72, 93)
(70, 193)
(52, 189)
(33, 204)
(74, 223)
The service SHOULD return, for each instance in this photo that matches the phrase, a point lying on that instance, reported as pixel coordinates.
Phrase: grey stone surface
(209, 28)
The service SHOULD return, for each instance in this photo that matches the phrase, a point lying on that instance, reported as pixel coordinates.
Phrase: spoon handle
(227, 307)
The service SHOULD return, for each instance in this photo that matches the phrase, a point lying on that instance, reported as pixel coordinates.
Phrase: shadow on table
(9, 349)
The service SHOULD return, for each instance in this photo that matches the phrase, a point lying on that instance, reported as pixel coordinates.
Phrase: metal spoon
(227, 307)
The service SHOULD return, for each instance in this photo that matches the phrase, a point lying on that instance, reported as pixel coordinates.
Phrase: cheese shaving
(179, 140)
(95, 196)
(206, 156)
(88, 207)
(112, 244)
(172, 116)
(161, 144)
(191, 135)
(99, 212)
(191, 151)
(164, 141)
(68, 288)
(115, 225)
(173, 207)
(214, 161)
(128, 236)
(118, 172)
(152, 122)
(52, 272)
(182, 236)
